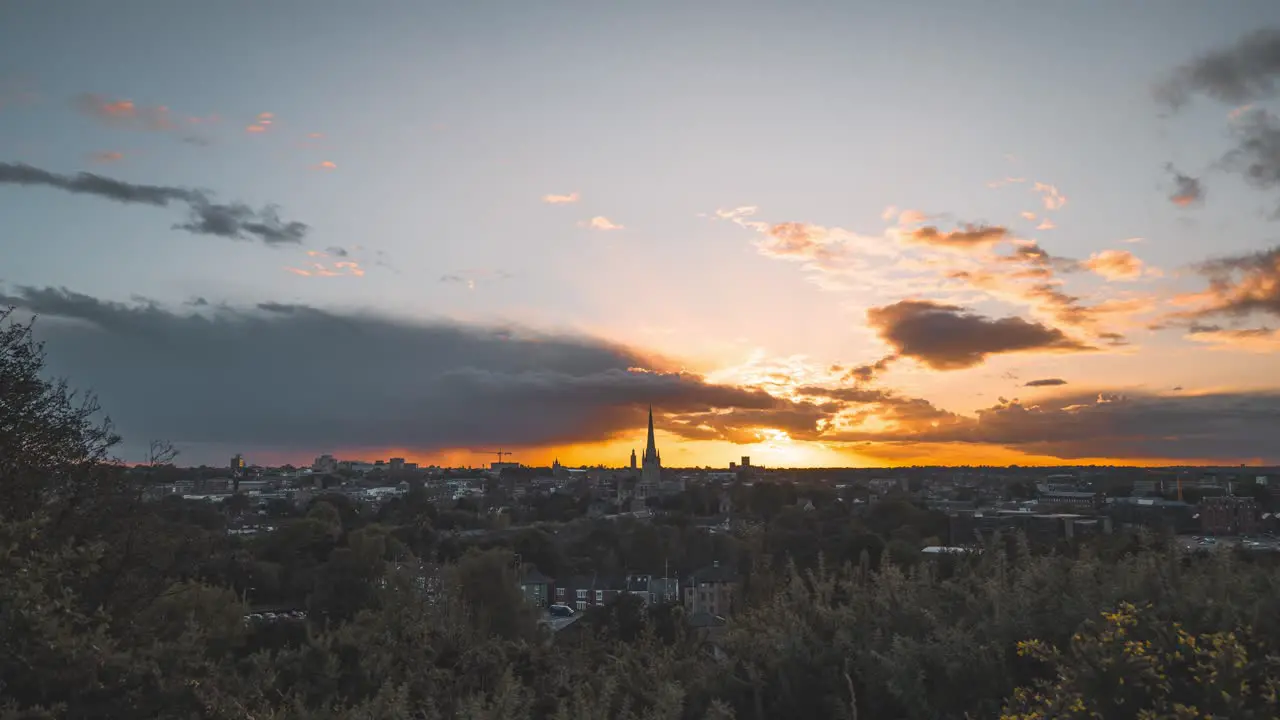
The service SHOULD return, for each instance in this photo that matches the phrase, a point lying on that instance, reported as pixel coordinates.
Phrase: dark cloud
(1245, 72)
(1031, 253)
(1187, 190)
(1257, 152)
(947, 337)
(336, 251)
(299, 378)
(1242, 285)
(1046, 382)
(1224, 426)
(867, 373)
(235, 220)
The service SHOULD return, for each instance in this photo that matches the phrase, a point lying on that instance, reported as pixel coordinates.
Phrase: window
(582, 595)
(559, 593)
(581, 605)
(599, 596)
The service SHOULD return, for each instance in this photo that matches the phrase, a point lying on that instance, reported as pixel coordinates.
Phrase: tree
(1132, 663)
(52, 445)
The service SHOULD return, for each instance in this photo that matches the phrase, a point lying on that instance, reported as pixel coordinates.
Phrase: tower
(633, 459)
(651, 469)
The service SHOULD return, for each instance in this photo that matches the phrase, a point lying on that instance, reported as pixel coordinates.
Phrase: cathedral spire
(651, 447)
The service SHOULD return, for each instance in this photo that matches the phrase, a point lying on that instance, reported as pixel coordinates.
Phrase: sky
(812, 233)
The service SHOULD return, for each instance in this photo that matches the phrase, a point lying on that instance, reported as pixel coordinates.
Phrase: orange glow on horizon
(775, 452)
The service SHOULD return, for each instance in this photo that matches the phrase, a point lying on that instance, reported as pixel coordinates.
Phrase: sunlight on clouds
(262, 123)
(553, 199)
(1050, 196)
(325, 269)
(601, 222)
(126, 113)
(1115, 265)
(1256, 340)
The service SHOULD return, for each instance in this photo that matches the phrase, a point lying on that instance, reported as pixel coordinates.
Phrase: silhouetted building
(651, 466)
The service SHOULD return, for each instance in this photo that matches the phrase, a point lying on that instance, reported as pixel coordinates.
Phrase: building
(1228, 515)
(536, 587)
(649, 484)
(652, 589)
(711, 590)
(397, 464)
(237, 465)
(325, 464)
(651, 466)
(587, 591)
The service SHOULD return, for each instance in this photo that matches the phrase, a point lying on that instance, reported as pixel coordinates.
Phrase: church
(650, 479)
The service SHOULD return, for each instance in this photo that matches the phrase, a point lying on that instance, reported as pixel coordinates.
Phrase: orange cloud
(1239, 112)
(322, 269)
(572, 197)
(125, 113)
(326, 165)
(1046, 224)
(601, 222)
(262, 123)
(1115, 265)
(315, 135)
(107, 157)
(970, 236)
(1050, 196)
(1260, 340)
(796, 240)
(912, 217)
(1028, 215)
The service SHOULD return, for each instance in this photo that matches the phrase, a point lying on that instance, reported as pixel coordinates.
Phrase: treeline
(111, 607)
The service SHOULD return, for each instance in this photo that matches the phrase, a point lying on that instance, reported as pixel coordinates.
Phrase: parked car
(561, 611)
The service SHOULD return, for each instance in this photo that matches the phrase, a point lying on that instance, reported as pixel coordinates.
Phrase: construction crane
(501, 454)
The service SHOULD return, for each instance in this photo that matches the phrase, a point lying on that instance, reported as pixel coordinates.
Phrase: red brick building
(1229, 515)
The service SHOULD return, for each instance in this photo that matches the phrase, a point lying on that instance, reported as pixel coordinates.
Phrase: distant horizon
(817, 234)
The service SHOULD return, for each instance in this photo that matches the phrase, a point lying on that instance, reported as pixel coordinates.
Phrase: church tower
(651, 470)
(633, 459)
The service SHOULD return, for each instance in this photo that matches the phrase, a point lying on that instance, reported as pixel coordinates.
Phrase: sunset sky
(815, 233)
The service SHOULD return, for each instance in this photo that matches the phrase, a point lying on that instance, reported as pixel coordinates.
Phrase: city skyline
(812, 235)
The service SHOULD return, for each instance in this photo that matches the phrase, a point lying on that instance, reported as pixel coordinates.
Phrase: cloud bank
(205, 217)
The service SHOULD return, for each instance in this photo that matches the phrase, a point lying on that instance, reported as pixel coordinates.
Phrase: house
(652, 589)
(587, 591)
(711, 590)
(535, 586)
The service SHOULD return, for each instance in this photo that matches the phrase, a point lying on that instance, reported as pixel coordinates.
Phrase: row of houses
(711, 590)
